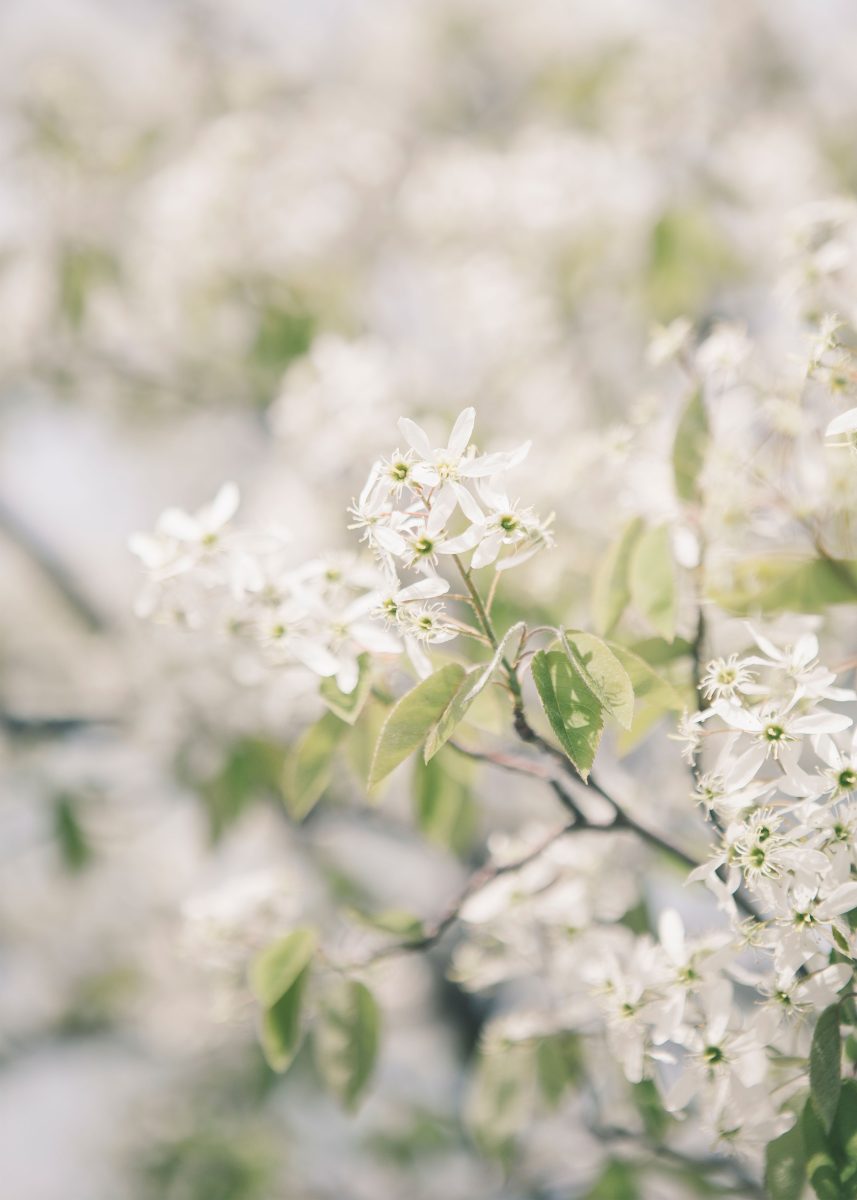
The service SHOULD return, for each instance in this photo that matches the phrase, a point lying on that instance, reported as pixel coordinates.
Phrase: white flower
(446, 466)
(844, 429)
(725, 676)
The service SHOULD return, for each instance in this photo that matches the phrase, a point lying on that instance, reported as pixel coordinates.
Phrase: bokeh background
(238, 240)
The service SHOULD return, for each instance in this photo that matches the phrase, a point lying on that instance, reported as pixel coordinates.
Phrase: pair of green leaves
(822, 1146)
(637, 568)
(577, 686)
(346, 1025)
(428, 714)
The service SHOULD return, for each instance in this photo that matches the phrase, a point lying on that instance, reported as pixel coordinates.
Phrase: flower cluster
(317, 614)
(326, 612)
(780, 791)
(408, 509)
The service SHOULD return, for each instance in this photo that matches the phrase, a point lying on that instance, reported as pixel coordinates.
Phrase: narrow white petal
(845, 423)
(487, 550)
(416, 437)
(459, 439)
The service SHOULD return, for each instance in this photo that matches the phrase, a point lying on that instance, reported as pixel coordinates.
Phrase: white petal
(465, 541)
(493, 464)
(347, 675)
(487, 550)
(443, 506)
(522, 556)
(841, 900)
(821, 722)
(424, 589)
(376, 638)
(175, 522)
(459, 439)
(222, 508)
(845, 423)
(389, 540)
(420, 660)
(416, 437)
(317, 658)
(467, 503)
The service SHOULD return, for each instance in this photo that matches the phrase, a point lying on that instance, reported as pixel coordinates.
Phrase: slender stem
(477, 882)
(525, 731)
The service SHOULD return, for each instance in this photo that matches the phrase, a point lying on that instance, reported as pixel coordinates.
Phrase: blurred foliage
(689, 258)
(252, 769)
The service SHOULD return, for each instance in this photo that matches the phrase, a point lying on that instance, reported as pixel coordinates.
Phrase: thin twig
(52, 568)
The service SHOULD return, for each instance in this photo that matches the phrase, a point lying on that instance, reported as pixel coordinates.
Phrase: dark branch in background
(744, 1186)
(52, 569)
(479, 880)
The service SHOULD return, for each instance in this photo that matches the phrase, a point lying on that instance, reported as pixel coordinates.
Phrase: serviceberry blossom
(319, 614)
(325, 613)
(423, 507)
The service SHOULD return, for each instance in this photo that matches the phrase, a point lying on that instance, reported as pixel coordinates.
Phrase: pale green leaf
(618, 1181)
(394, 921)
(308, 769)
(275, 969)
(655, 696)
(278, 976)
(575, 713)
(782, 584)
(690, 446)
(474, 682)
(349, 705)
(345, 1039)
(821, 1166)
(603, 672)
(611, 588)
(825, 1065)
(443, 805)
(412, 718)
(785, 1168)
(653, 582)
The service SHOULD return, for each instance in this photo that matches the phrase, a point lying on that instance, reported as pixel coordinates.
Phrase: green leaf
(646, 682)
(412, 718)
(349, 705)
(502, 1095)
(825, 1065)
(785, 1166)
(655, 696)
(618, 1181)
(275, 969)
(784, 584)
(345, 1039)
(574, 712)
(845, 1123)
(690, 446)
(443, 805)
(653, 582)
(395, 921)
(658, 653)
(558, 1065)
(278, 977)
(309, 767)
(252, 768)
(474, 682)
(74, 845)
(647, 1101)
(603, 672)
(821, 1167)
(611, 589)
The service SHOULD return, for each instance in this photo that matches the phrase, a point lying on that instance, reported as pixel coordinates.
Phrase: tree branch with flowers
(748, 1026)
